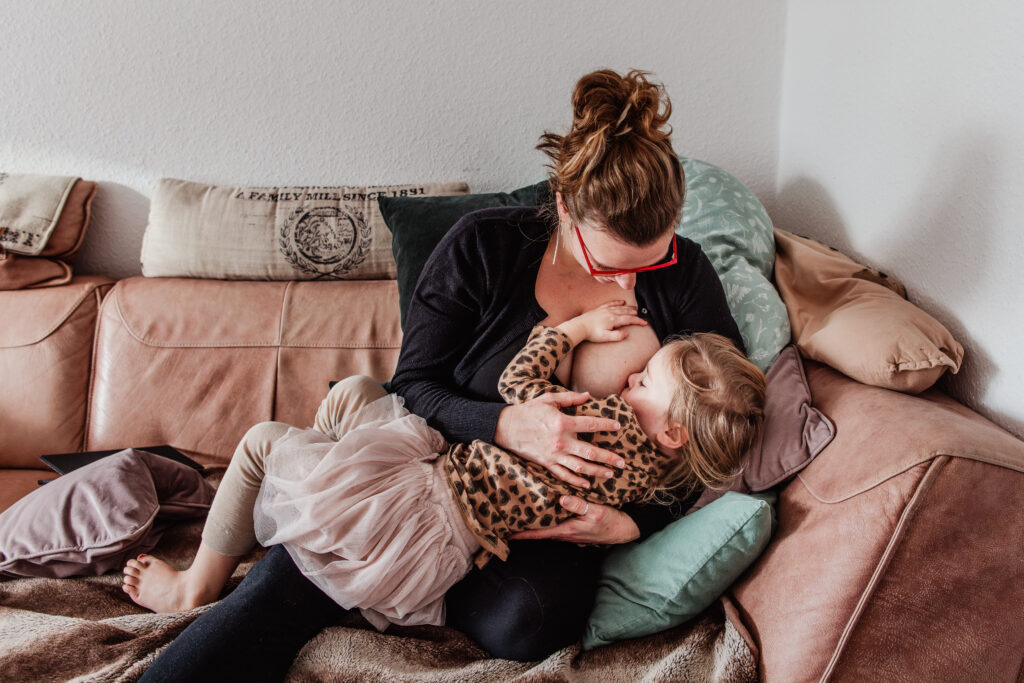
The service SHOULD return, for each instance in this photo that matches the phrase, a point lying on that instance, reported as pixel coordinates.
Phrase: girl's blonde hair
(720, 402)
(616, 165)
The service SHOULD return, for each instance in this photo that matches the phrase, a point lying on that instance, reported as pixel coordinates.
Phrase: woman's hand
(538, 431)
(593, 523)
(602, 324)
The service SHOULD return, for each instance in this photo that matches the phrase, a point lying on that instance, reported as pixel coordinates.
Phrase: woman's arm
(444, 316)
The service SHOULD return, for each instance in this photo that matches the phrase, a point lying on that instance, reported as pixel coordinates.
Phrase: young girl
(389, 517)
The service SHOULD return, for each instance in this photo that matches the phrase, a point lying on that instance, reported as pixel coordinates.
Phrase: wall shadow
(939, 247)
(113, 241)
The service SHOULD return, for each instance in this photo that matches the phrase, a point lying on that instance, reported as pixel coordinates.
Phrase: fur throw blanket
(87, 629)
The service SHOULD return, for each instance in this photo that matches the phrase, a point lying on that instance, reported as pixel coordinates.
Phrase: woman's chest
(563, 298)
(601, 369)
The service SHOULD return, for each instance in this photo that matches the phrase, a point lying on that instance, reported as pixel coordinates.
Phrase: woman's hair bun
(606, 103)
(616, 164)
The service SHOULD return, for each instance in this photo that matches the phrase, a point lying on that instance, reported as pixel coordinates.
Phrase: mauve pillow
(794, 431)
(92, 520)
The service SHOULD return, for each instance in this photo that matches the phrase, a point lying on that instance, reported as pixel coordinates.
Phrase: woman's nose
(626, 281)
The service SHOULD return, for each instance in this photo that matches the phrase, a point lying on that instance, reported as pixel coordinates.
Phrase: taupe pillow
(273, 233)
(92, 520)
(794, 431)
(857, 320)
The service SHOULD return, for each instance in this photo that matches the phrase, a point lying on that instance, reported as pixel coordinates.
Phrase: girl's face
(649, 393)
(606, 252)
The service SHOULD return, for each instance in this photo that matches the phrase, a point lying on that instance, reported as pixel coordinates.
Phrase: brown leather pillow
(53, 265)
(92, 520)
(794, 431)
(857, 320)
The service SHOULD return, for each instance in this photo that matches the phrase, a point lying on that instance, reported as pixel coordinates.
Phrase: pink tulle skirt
(370, 519)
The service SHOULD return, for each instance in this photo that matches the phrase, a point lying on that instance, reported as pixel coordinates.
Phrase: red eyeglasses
(625, 271)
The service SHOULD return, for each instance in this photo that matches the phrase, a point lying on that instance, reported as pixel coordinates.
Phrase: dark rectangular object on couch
(62, 463)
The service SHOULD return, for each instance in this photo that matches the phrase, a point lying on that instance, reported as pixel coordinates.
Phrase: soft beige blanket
(29, 208)
(86, 629)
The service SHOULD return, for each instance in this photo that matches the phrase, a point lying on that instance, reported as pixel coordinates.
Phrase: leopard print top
(500, 493)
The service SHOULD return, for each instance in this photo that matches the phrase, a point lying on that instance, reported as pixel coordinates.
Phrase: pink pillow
(92, 520)
(794, 431)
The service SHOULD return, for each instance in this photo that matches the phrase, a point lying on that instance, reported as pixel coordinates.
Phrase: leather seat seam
(977, 457)
(909, 511)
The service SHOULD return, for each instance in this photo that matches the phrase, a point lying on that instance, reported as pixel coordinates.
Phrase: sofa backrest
(46, 339)
(195, 363)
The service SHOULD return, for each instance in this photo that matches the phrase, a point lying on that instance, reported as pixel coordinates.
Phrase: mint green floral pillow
(729, 223)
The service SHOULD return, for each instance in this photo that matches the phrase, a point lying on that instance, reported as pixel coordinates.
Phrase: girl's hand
(602, 323)
(601, 524)
(541, 433)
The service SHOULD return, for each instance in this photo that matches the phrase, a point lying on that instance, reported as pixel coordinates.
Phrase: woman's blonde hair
(720, 402)
(616, 165)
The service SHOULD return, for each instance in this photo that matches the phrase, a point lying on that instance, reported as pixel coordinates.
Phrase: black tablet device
(62, 463)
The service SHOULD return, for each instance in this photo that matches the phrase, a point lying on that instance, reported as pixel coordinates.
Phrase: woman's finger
(555, 533)
(562, 399)
(581, 466)
(566, 475)
(590, 423)
(574, 504)
(574, 530)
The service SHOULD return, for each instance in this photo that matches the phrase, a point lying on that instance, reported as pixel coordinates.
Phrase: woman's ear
(563, 211)
(673, 437)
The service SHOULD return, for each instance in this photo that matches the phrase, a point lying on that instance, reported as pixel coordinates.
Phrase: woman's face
(605, 251)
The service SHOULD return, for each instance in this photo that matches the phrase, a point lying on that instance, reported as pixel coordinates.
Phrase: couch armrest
(46, 341)
(898, 548)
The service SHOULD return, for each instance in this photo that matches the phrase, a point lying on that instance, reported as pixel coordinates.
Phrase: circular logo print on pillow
(327, 241)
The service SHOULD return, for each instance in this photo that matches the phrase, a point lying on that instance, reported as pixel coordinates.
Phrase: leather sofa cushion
(896, 469)
(45, 353)
(884, 433)
(213, 358)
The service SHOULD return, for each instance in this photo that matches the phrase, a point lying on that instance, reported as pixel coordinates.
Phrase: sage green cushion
(417, 224)
(675, 574)
(729, 223)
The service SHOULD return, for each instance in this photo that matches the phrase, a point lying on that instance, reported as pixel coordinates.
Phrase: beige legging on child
(229, 526)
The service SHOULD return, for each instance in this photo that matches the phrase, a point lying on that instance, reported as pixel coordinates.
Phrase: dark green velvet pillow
(417, 224)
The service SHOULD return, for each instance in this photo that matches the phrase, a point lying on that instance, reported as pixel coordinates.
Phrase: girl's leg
(337, 412)
(227, 536)
(255, 632)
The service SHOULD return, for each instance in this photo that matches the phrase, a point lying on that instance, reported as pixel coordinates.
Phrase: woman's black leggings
(523, 609)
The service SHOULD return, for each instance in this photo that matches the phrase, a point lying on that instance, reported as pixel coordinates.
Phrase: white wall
(902, 143)
(356, 92)
(892, 130)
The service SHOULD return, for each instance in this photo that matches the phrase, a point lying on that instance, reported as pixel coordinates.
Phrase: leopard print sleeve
(529, 373)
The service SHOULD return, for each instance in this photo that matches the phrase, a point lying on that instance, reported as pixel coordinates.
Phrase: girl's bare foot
(158, 586)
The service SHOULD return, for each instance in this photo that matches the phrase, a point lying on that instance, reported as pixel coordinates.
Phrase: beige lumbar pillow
(857, 320)
(276, 233)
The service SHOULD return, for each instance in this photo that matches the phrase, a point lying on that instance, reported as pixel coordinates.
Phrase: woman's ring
(586, 510)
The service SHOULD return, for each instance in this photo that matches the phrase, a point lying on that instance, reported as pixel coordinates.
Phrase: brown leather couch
(898, 554)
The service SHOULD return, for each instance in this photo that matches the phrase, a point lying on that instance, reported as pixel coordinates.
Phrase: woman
(618, 195)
